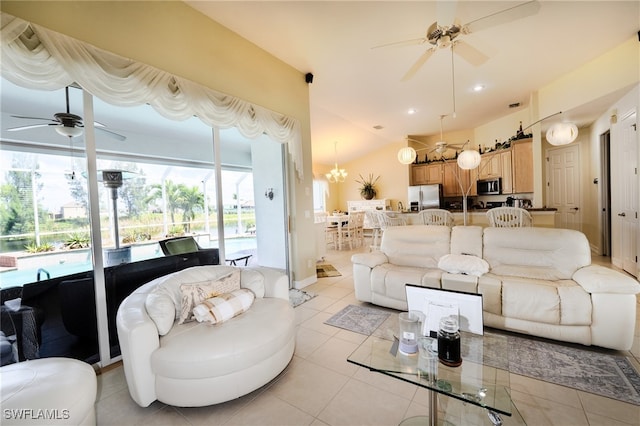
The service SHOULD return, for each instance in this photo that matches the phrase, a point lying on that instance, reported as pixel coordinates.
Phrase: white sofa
(198, 364)
(540, 281)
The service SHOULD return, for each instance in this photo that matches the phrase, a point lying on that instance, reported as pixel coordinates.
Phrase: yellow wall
(174, 37)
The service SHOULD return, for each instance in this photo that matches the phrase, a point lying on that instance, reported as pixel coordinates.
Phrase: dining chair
(436, 217)
(509, 217)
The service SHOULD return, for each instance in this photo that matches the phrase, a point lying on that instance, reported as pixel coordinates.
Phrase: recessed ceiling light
(412, 111)
(478, 88)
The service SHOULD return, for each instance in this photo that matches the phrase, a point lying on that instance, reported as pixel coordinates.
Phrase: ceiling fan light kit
(71, 132)
(562, 134)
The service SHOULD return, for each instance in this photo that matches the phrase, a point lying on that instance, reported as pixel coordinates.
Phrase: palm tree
(190, 200)
(173, 196)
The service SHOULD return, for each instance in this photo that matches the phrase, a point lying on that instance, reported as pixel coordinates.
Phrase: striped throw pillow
(224, 307)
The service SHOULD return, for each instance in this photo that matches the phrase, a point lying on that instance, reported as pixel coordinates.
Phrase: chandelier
(336, 175)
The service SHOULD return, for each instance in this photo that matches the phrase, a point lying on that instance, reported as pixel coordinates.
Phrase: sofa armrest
(276, 282)
(373, 259)
(138, 337)
(600, 279)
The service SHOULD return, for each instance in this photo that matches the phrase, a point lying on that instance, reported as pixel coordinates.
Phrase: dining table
(339, 220)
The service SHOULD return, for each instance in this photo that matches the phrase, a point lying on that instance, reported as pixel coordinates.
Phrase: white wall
(268, 172)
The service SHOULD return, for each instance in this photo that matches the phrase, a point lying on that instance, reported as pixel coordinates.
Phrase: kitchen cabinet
(522, 161)
(450, 184)
(490, 166)
(426, 174)
(506, 167)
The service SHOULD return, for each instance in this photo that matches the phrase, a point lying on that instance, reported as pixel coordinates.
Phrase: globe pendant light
(469, 159)
(407, 155)
(562, 134)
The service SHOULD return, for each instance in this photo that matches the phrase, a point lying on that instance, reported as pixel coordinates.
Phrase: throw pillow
(195, 293)
(463, 264)
(224, 307)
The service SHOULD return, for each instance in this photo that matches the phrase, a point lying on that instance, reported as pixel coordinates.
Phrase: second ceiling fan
(65, 123)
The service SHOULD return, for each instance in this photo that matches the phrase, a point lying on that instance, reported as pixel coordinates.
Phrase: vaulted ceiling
(357, 96)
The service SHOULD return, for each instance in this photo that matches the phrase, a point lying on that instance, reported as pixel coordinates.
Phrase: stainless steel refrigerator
(425, 197)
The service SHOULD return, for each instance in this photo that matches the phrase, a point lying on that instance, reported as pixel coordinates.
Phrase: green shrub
(34, 248)
(77, 240)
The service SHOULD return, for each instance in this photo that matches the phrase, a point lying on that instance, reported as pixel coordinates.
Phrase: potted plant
(368, 189)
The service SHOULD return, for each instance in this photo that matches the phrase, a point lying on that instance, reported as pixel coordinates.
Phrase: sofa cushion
(195, 293)
(390, 280)
(224, 307)
(466, 240)
(245, 340)
(417, 245)
(548, 254)
(560, 302)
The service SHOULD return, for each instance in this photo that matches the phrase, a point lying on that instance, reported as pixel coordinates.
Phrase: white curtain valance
(37, 58)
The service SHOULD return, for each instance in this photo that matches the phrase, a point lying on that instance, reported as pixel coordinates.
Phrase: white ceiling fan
(65, 123)
(447, 33)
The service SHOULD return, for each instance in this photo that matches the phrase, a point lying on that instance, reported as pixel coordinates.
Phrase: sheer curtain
(37, 58)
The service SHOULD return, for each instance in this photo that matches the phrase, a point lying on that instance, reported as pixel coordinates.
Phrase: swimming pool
(59, 264)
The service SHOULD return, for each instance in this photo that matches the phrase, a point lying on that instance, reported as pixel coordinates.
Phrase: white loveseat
(540, 281)
(198, 364)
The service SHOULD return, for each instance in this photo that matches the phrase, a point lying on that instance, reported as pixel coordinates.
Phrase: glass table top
(482, 379)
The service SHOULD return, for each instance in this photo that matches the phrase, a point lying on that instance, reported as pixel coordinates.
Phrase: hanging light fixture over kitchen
(336, 175)
(562, 133)
(407, 155)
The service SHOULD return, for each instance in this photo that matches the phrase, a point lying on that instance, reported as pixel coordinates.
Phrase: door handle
(623, 214)
(575, 208)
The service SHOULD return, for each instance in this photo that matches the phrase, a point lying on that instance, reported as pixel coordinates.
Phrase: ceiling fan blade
(109, 133)
(409, 42)
(418, 64)
(32, 126)
(446, 11)
(33, 118)
(502, 17)
(469, 53)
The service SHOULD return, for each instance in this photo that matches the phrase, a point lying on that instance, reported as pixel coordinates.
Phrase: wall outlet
(309, 263)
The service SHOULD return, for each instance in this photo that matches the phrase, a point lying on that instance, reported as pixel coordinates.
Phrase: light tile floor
(319, 387)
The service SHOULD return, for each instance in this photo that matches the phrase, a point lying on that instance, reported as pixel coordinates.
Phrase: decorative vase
(369, 195)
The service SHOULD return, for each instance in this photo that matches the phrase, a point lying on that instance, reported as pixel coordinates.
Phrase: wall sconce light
(269, 193)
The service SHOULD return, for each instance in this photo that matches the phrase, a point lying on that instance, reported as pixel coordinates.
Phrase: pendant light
(562, 134)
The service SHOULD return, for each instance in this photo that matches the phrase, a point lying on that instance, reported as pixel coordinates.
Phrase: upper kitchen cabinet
(426, 174)
(490, 166)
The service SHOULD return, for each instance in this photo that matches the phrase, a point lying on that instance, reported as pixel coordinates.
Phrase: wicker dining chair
(509, 217)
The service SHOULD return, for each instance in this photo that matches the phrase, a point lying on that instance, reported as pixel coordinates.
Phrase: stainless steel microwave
(489, 186)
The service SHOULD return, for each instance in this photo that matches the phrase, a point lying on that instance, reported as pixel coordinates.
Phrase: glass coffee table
(482, 379)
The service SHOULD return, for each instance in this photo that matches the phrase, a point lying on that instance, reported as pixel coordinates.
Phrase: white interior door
(563, 186)
(628, 206)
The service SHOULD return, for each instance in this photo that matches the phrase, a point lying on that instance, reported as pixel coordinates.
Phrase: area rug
(324, 270)
(589, 370)
(593, 370)
(298, 297)
(360, 319)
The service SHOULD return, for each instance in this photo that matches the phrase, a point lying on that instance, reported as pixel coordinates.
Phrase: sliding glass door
(152, 178)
